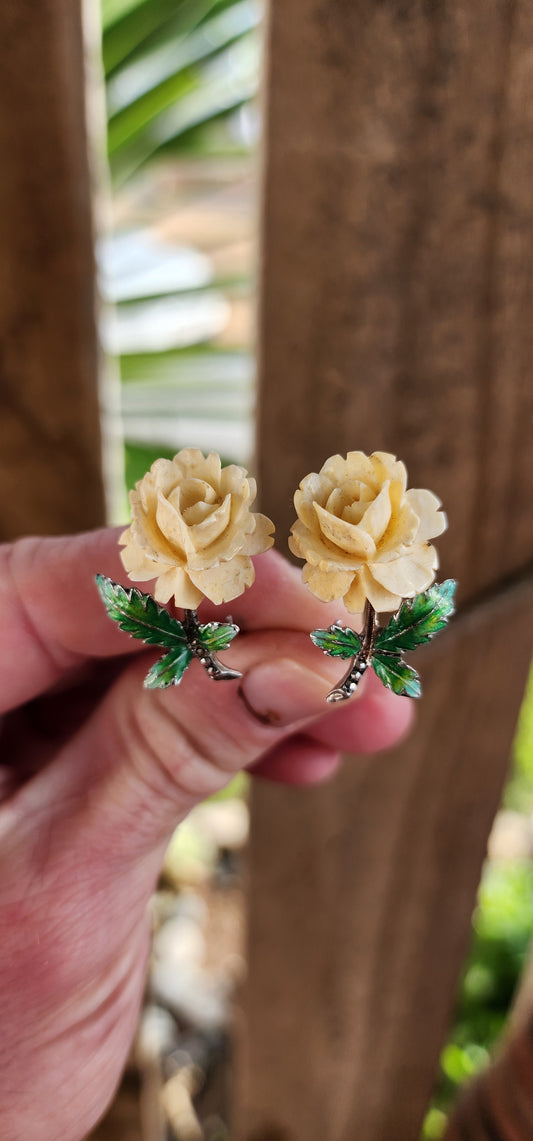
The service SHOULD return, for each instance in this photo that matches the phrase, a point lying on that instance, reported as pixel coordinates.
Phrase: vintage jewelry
(193, 531)
(366, 540)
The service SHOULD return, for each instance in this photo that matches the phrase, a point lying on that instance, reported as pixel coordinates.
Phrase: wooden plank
(396, 293)
(50, 466)
(361, 898)
(398, 258)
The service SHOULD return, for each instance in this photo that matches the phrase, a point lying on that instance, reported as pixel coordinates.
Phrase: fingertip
(300, 761)
(389, 719)
(378, 720)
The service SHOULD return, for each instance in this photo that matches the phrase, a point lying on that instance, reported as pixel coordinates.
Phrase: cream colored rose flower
(193, 530)
(363, 535)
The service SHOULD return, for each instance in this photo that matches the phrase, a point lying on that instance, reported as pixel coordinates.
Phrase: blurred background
(177, 256)
(177, 264)
(177, 260)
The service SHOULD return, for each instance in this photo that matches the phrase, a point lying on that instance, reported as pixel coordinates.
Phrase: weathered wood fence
(397, 293)
(50, 458)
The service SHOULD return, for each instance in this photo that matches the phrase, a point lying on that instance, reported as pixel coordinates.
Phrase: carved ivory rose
(193, 530)
(363, 535)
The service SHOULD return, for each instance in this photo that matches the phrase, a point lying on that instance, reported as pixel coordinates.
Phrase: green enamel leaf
(337, 641)
(139, 615)
(217, 635)
(418, 620)
(169, 669)
(396, 675)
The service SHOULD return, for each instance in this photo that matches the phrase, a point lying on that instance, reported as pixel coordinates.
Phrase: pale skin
(95, 774)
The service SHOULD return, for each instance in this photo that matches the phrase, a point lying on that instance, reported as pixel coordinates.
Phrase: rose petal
(227, 546)
(261, 538)
(187, 494)
(426, 505)
(319, 552)
(295, 544)
(347, 536)
(386, 466)
(410, 573)
(240, 508)
(355, 598)
(397, 495)
(400, 533)
(147, 535)
(233, 480)
(225, 581)
(212, 527)
(354, 513)
(306, 511)
(192, 464)
(326, 585)
(162, 476)
(316, 487)
(171, 525)
(350, 500)
(185, 593)
(138, 565)
(197, 512)
(355, 466)
(381, 599)
(176, 582)
(377, 516)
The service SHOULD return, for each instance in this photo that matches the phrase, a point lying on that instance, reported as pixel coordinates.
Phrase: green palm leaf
(150, 69)
(173, 116)
(133, 26)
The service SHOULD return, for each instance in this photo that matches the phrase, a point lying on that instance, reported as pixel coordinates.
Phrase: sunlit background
(181, 87)
(177, 268)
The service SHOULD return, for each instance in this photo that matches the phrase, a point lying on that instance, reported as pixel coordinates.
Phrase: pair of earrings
(364, 536)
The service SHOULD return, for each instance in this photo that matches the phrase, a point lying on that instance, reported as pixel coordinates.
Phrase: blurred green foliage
(176, 72)
(180, 77)
(519, 791)
(502, 930)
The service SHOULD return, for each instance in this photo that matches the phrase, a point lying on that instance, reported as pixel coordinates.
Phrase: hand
(95, 774)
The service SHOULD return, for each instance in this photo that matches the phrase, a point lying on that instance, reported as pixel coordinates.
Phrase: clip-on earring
(366, 540)
(192, 529)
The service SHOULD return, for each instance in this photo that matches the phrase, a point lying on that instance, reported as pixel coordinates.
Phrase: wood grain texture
(396, 298)
(50, 466)
(361, 899)
(397, 281)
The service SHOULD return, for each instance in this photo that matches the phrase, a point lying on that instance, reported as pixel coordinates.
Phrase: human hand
(95, 774)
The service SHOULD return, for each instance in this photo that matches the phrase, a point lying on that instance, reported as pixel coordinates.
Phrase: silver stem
(212, 665)
(358, 665)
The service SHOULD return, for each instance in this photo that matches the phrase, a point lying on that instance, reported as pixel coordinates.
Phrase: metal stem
(369, 630)
(359, 664)
(190, 624)
(208, 660)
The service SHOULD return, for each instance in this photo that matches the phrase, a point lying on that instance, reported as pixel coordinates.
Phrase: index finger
(52, 618)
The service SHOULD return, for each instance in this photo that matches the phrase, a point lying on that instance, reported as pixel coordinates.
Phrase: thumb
(146, 757)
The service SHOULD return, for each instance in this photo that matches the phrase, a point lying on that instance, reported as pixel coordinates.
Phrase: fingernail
(282, 691)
